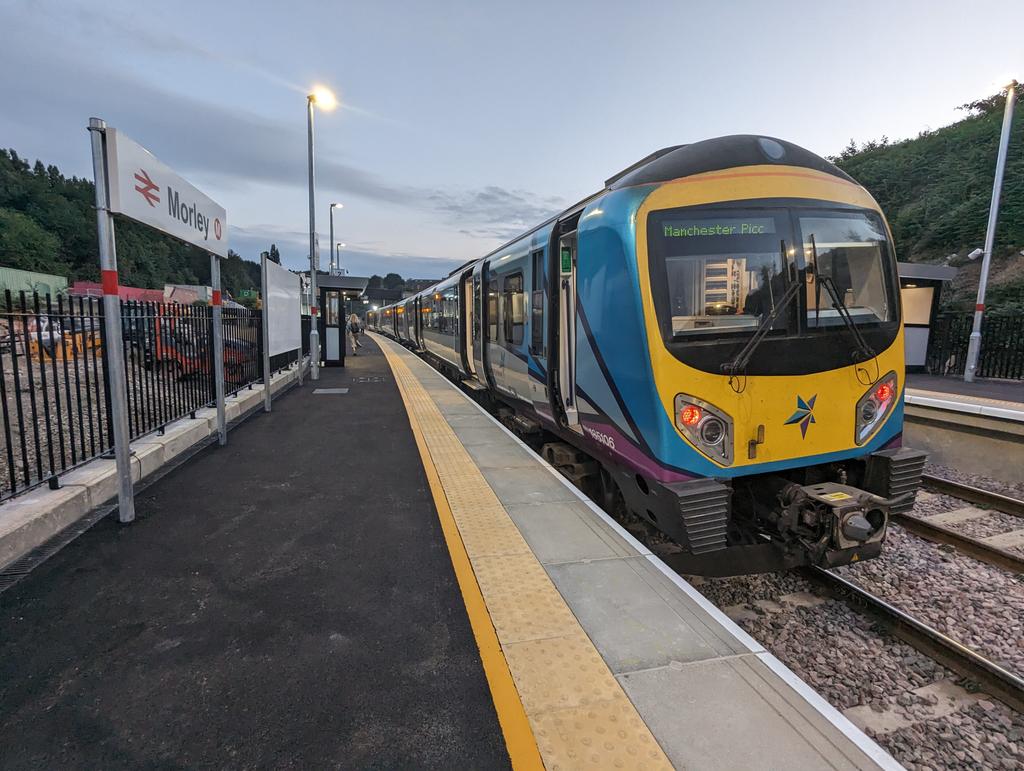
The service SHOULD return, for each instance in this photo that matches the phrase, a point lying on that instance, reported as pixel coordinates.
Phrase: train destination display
(718, 227)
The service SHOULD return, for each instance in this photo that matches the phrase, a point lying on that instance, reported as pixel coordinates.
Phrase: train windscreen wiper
(863, 348)
(740, 361)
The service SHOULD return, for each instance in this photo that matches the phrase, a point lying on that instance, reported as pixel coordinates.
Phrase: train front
(771, 306)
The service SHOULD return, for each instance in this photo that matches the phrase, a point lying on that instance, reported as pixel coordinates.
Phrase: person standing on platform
(354, 330)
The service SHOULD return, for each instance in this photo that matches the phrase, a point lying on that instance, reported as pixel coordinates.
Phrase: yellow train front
(764, 400)
(720, 328)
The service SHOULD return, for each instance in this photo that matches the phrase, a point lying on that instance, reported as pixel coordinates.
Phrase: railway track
(989, 676)
(978, 548)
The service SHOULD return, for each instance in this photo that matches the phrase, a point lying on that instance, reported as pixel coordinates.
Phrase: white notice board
(282, 309)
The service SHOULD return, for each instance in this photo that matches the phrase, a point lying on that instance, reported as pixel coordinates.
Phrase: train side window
(515, 311)
(492, 310)
(537, 304)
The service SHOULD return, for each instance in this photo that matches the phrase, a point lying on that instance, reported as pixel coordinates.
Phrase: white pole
(314, 334)
(265, 322)
(114, 347)
(974, 347)
(218, 350)
(331, 215)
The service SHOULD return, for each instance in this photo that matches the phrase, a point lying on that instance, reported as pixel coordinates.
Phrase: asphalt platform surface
(1006, 390)
(284, 602)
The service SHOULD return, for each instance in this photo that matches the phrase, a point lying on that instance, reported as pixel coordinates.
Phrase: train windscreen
(723, 272)
(849, 252)
(720, 272)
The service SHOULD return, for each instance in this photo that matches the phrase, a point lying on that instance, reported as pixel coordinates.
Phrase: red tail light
(883, 393)
(690, 415)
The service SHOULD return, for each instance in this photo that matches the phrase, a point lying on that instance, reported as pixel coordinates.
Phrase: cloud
(358, 259)
(495, 212)
(50, 88)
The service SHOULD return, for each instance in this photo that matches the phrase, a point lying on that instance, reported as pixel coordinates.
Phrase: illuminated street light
(974, 346)
(325, 100)
(333, 257)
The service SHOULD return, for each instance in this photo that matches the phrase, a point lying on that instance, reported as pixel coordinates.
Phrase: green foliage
(1006, 297)
(27, 246)
(48, 224)
(935, 189)
(393, 281)
(275, 256)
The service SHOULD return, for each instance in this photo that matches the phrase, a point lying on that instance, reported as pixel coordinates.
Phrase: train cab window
(723, 270)
(848, 251)
(492, 310)
(514, 308)
(537, 304)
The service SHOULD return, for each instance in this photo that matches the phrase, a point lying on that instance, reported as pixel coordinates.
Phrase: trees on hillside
(27, 246)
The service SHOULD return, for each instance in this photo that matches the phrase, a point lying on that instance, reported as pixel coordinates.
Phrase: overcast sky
(464, 122)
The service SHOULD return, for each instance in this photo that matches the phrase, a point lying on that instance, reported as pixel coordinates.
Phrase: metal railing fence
(54, 383)
(1002, 345)
(52, 387)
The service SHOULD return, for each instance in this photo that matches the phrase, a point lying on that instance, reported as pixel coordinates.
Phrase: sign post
(130, 181)
(114, 349)
(265, 322)
(282, 318)
(218, 351)
(974, 344)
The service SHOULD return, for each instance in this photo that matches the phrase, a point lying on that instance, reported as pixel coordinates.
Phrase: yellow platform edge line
(515, 725)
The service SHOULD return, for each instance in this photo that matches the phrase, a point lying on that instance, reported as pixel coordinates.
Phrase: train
(711, 345)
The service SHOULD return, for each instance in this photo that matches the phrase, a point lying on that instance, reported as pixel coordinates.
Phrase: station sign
(146, 190)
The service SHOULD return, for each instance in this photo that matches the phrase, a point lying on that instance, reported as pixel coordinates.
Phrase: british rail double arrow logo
(147, 188)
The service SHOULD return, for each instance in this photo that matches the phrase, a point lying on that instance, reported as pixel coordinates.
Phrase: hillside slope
(935, 190)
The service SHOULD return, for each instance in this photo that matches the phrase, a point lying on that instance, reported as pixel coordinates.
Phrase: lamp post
(333, 259)
(326, 101)
(337, 266)
(974, 346)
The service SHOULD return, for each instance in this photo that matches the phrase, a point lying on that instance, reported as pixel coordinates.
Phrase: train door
(466, 299)
(538, 330)
(478, 320)
(567, 328)
(417, 303)
(495, 351)
(488, 322)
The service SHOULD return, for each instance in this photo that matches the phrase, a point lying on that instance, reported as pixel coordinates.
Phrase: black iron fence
(243, 348)
(52, 387)
(1002, 345)
(53, 378)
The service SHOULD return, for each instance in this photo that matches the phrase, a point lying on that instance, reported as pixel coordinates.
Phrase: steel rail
(972, 547)
(998, 682)
(997, 501)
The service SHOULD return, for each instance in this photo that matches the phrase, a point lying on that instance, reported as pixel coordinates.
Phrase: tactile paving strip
(580, 716)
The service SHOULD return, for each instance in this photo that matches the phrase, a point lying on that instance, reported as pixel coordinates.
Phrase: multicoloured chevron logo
(804, 414)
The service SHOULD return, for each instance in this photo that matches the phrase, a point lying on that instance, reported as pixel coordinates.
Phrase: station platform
(1000, 394)
(379, 574)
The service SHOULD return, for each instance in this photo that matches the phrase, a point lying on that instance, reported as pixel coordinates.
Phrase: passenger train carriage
(719, 329)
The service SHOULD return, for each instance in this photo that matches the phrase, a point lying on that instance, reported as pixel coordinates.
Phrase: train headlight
(875, 406)
(712, 431)
(707, 427)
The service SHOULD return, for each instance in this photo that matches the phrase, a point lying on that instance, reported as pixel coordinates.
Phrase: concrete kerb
(28, 521)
